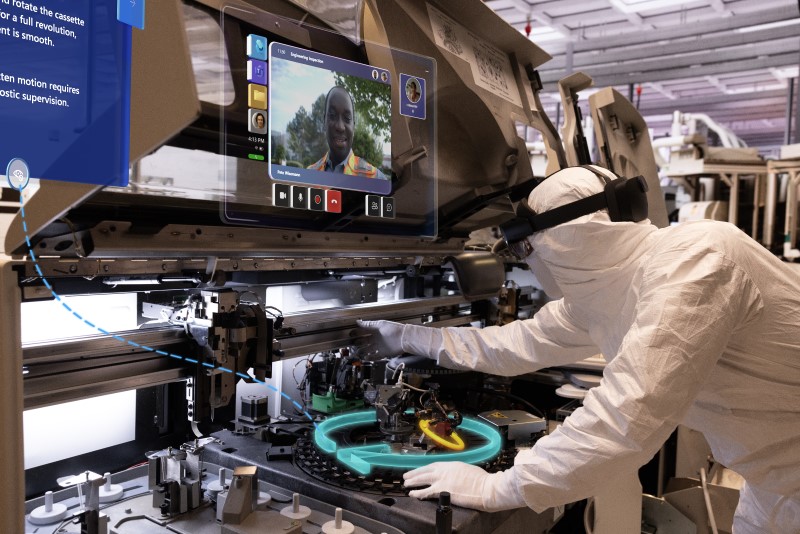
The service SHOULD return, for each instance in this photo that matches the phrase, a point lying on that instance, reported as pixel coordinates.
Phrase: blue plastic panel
(65, 90)
(131, 12)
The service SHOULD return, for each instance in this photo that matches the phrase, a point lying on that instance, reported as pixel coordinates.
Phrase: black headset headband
(625, 199)
(567, 212)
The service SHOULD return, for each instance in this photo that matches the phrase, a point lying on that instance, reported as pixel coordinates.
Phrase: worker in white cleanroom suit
(699, 325)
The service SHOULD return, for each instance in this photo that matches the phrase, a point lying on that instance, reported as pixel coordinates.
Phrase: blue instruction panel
(65, 90)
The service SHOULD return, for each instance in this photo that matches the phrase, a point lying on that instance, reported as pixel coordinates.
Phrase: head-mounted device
(624, 198)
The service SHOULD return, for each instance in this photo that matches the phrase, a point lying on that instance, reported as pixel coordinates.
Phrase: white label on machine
(491, 67)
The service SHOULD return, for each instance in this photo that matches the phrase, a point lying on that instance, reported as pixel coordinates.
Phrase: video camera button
(281, 195)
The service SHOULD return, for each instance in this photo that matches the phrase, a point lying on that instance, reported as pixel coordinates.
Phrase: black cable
(291, 422)
(512, 397)
(128, 498)
(280, 313)
(64, 523)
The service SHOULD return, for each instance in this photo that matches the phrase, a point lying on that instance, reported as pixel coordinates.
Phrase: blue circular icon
(17, 174)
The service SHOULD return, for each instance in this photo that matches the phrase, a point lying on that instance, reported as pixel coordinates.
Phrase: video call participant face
(339, 124)
(259, 120)
(412, 91)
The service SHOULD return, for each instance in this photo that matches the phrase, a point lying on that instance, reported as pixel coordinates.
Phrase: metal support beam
(706, 103)
(568, 58)
(661, 90)
(657, 73)
(655, 48)
(702, 61)
(705, 28)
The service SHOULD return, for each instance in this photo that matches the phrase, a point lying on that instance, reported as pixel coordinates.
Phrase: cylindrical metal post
(787, 135)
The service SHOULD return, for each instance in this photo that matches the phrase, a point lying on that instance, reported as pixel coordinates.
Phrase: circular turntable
(351, 451)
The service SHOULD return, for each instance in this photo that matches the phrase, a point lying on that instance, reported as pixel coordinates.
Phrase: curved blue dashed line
(133, 343)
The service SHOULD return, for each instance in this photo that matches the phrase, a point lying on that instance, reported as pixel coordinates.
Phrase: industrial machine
(222, 286)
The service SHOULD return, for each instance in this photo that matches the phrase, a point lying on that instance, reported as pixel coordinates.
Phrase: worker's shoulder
(698, 234)
(704, 241)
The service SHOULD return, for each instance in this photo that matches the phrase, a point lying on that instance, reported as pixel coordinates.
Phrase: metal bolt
(73, 269)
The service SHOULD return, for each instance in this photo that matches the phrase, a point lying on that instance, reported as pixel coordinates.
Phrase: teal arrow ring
(363, 458)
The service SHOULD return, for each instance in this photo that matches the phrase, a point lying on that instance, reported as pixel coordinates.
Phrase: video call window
(329, 121)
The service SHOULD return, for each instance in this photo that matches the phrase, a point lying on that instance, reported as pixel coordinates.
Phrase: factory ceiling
(731, 59)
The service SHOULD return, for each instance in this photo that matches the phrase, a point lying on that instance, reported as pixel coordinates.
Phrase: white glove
(379, 339)
(469, 486)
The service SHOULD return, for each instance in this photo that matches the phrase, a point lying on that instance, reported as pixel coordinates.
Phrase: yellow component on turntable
(455, 442)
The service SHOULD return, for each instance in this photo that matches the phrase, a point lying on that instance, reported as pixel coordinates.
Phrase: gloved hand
(379, 339)
(469, 486)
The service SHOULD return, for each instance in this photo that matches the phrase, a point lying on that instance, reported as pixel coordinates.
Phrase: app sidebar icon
(256, 71)
(256, 96)
(257, 47)
(257, 121)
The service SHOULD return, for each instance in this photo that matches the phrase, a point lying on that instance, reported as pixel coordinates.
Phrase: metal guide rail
(61, 370)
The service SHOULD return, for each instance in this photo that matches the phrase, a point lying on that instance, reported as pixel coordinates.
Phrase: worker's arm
(550, 338)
